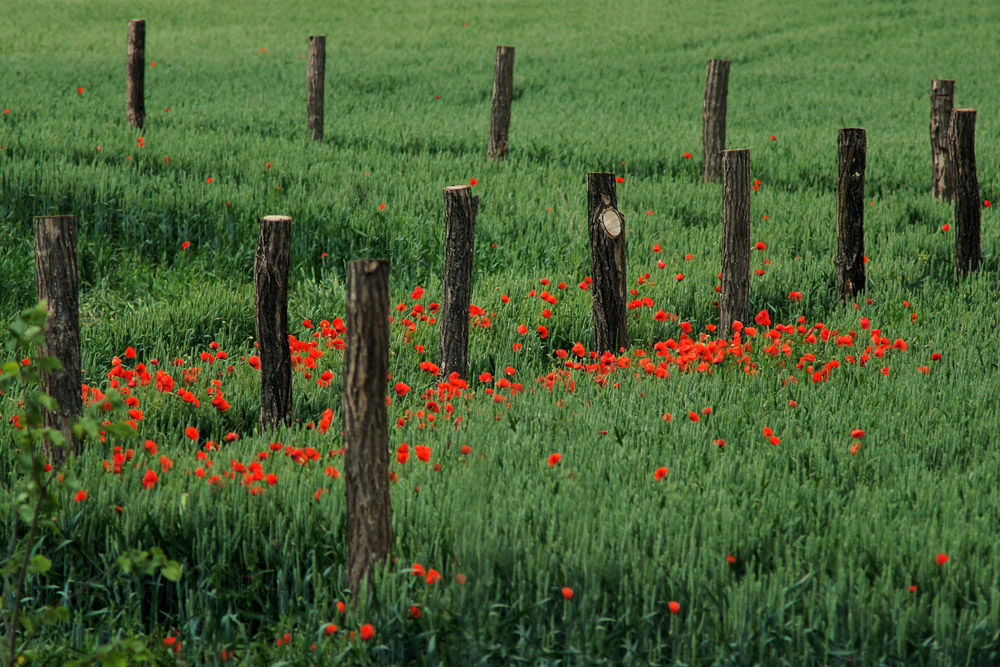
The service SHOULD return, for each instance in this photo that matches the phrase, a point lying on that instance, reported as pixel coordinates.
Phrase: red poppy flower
(567, 592)
(660, 473)
(367, 631)
(80, 495)
(401, 388)
(191, 432)
(675, 607)
(687, 155)
(942, 559)
(620, 179)
(554, 459)
(857, 433)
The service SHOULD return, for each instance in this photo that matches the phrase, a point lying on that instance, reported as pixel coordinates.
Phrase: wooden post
(270, 277)
(714, 134)
(967, 213)
(503, 91)
(606, 226)
(460, 227)
(366, 427)
(735, 292)
(942, 101)
(316, 82)
(850, 260)
(136, 73)
(56, 283)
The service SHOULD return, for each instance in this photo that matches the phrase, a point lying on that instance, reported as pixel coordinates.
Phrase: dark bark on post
(852, 145)
(366, 428)
(606, 227)
(460, 227)
(714, 134)
(56, 283)
(735, 293)
(316, 83)
(942, 101)
(503, 91)
(136, 73)
(270, 277)
(967, 213)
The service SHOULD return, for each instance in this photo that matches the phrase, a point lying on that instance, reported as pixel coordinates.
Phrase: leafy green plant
(40, 497)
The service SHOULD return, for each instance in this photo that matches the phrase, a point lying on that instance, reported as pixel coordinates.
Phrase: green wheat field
(831, 494)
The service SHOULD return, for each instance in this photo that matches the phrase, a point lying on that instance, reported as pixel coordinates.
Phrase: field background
(826, 544)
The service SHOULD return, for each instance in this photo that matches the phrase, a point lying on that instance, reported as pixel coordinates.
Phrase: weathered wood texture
(967, 212)
(366, 428)
(606, 227)
(56, 282)
(714, 133)
(503, 93)
(460, 227)
(942, 101)
(316, 85)
(136, 73)
(735, 285)
(270, 277)
(852, 145)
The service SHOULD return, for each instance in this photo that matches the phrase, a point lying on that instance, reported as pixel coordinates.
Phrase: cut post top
(276, 218)
(736, 150)
(718, 60)
(455, 188)
(958, 110)
(315, 36)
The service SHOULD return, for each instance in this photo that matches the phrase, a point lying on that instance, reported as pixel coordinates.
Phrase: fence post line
(136, 73)
(606, 227)
(316, 85)
(852, 145)
(503, 92)
(942, 102)
(735, 284)
(270, 277)
(366, 428)
(459, 244)
(714, 132)
(56, 282)
(967, 213)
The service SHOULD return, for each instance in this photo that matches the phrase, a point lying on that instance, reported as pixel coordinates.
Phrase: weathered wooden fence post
(316, 84)
(606, 227)
(735, 285)
(460, 226)
(503, 92)
(850, 260)
(967, 214)
(714, 134)
(270, 277)
(366, 428)
(942, 101)
(56, 283)
(136, 73)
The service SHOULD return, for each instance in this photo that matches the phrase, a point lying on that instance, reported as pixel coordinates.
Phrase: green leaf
(121, 429)
(11, 368)
(39, 564)
(171, 571)
(114, 659)
(48, 363)
(53, 615)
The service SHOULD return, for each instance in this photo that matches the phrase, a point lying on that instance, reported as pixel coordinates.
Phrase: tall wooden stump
(735, 293)
(714, 134)
(460, 226)
(942, 101)
(270, 277)
(606, 226)
(316, 83)
(967, 213)
(503, 92)
(366, 428)
(850, 260)
(136, 73)
(56, 283)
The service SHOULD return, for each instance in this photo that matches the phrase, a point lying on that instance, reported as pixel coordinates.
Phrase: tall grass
(826, 543)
